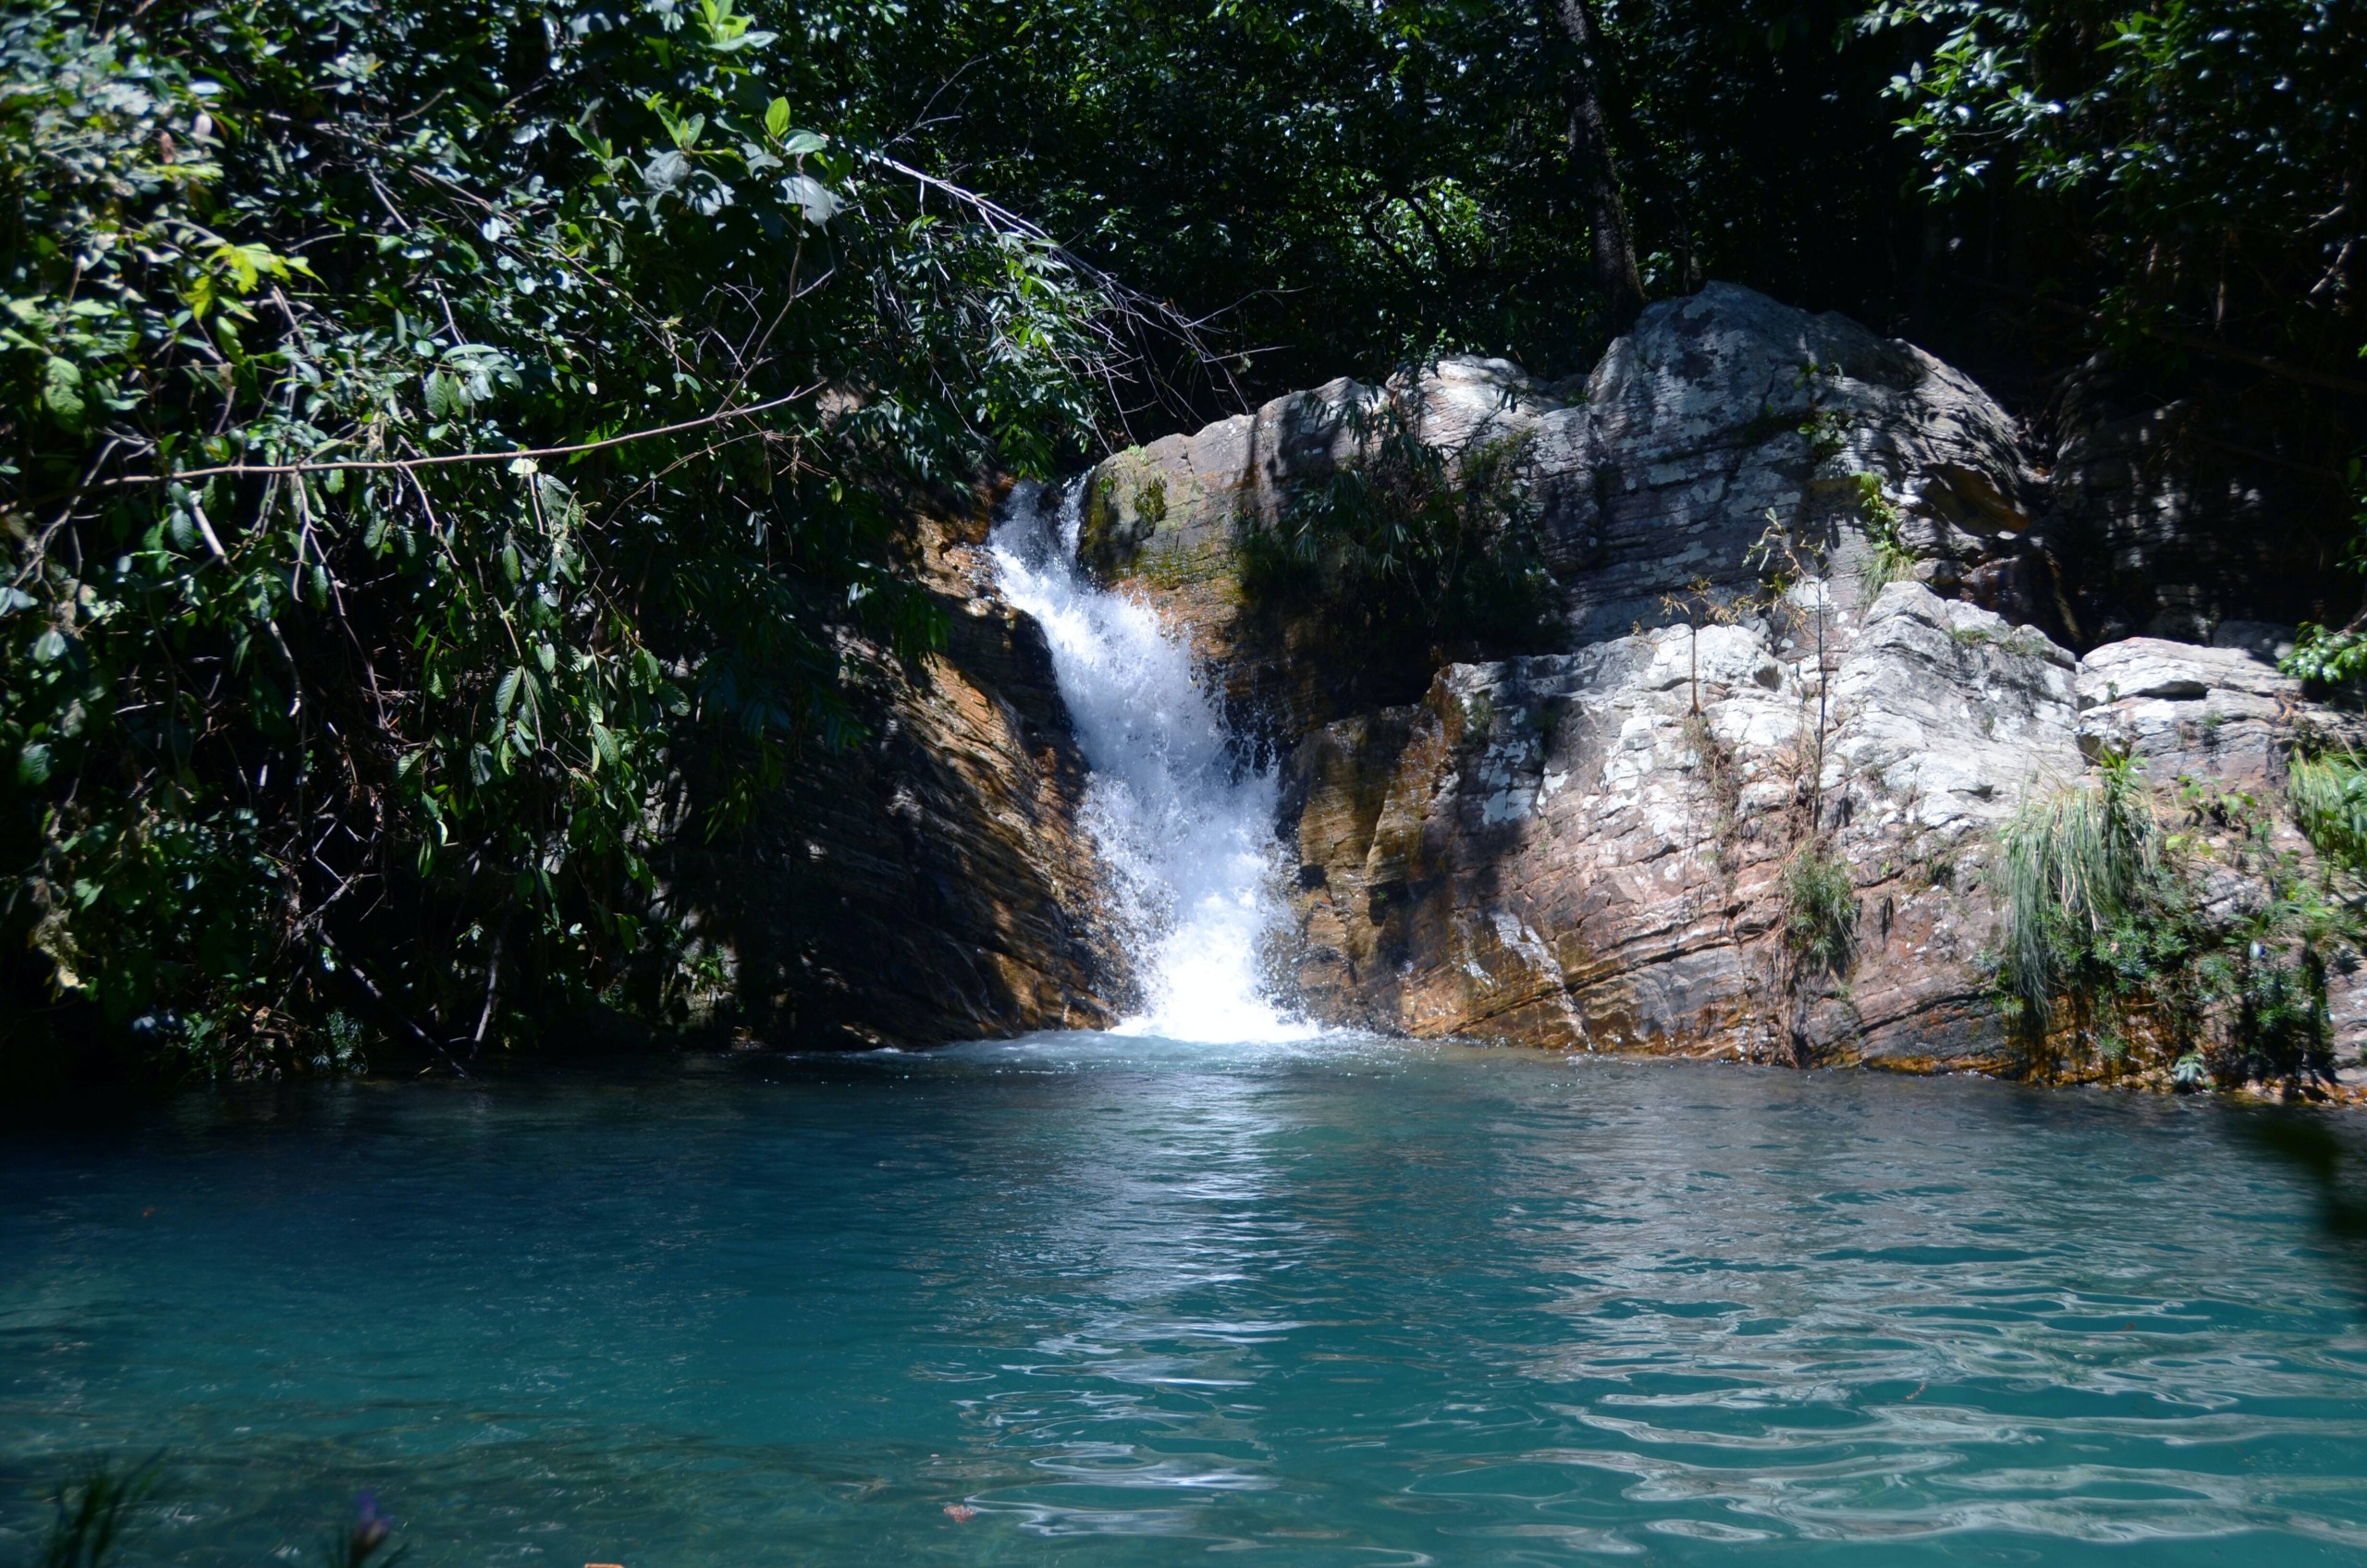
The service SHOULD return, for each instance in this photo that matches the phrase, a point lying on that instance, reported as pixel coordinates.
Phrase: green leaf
(505, 695)
(32, 764)
(61, 392)
(805, 141)
(777, 118)
(813, 196)
(50, 646)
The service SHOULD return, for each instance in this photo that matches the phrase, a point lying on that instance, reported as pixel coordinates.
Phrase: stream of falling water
(1186, 830)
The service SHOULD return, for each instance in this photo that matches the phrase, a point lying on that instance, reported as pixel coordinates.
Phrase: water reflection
(1335, 1301)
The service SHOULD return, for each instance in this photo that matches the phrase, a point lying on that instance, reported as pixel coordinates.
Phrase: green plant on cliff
(2109, 940)
(1410, 540)
(1889, 559)
(2076, 868)
(2328, 794)
(1819, 902)
(431, 439)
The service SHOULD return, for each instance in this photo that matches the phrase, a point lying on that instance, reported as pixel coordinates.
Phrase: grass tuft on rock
(1820, 911)
(2110, 947)
(2328, 794)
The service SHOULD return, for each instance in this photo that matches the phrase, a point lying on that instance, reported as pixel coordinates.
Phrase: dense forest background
(449, 449)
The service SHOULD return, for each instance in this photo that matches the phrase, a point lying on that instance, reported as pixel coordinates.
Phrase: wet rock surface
(934, 882)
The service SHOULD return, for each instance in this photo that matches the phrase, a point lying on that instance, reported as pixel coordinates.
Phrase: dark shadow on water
(2329, 1152)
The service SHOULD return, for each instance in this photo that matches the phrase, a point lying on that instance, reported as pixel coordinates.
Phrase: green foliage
(441, 445)
(2104, 916)
(1353, 183)
(1408, 540)
(2328, 794)
(1888, 558)
(2329, 658)
(2321, 654)
(93, 1514)
(2084, 884)
(1828, 433)
(1819, 903)
(2186, 172)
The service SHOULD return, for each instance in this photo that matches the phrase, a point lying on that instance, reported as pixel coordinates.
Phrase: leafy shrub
(2103, 917)
(441, 446)
(1888, 558)
(2328, 793)
(1410, 540)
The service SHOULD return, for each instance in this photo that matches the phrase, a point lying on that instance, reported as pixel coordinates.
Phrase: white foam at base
(1184, 829)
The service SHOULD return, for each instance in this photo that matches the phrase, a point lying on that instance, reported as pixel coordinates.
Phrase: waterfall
(1185, 829)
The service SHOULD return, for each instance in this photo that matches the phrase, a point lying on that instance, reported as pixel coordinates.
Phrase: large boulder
(1585, 850)
(1724, 410)
(1719, 414)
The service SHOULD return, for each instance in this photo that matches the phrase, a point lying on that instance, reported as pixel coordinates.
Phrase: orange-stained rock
(934, 882)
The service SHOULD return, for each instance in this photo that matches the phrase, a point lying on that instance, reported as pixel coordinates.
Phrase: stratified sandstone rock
(2220, 714)
(933, 882)
(1563, 850)
(1566, 851)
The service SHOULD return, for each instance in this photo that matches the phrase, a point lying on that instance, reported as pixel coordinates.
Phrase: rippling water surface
(1132, 1301)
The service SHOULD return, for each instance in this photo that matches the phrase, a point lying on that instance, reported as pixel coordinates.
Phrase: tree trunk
(1592, 162)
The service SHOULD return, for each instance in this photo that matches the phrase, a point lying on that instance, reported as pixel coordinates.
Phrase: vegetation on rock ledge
(2118, 943)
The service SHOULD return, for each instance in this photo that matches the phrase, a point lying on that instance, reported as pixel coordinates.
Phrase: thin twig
(445, 459)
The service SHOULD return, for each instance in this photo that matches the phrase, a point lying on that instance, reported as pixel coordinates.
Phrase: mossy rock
(1125, 503)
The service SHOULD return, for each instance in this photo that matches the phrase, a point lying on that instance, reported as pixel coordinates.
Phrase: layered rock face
(1600, 847)
(1564, 850)
(933, 882)
(1719, 414)
(1568, 851)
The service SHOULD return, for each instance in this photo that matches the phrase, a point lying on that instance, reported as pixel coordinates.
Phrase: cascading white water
(1186, 831)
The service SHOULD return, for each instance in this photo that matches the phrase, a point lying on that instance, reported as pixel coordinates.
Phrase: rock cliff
(1813, 654)
(1566, 850)
(1601, 847)
(931, 883)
